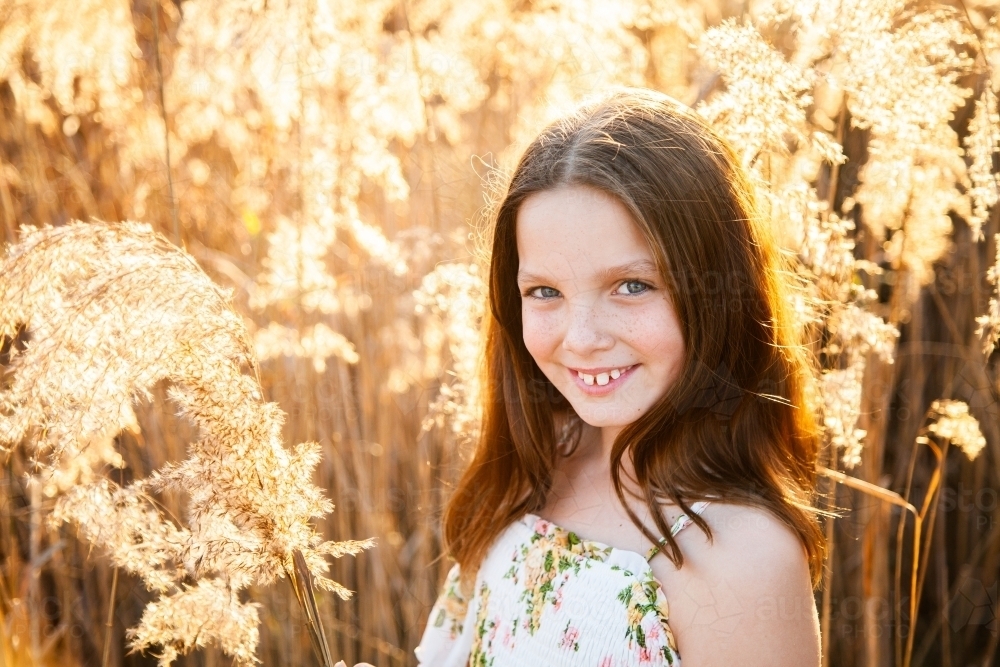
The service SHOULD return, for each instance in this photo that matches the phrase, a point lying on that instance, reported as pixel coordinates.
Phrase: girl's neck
(596, 445)
(583, 498)
(608, 435)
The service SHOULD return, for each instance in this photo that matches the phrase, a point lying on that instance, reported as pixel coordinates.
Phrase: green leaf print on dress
(643, 599)
(486, 629)
(451, 605)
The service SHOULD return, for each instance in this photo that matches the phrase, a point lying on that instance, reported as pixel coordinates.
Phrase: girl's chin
(605, 417)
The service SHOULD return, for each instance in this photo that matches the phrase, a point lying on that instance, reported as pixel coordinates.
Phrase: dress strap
(682, 521)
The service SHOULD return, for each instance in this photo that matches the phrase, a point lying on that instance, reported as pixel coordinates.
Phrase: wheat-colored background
(329, 161)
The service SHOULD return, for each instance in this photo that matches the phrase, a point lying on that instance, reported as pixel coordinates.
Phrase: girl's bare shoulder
(745, 594)
(740, 535)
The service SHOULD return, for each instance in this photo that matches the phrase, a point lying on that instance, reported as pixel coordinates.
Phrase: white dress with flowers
(543, 596)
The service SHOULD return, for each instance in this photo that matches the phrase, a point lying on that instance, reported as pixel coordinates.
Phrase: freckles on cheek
(655, 333)
(539, 332)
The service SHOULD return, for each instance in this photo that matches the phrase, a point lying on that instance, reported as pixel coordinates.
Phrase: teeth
(602, 378)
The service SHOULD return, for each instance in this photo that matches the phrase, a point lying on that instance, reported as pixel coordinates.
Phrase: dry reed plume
(106, 312)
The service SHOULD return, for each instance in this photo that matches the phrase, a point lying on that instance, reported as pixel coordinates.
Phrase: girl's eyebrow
(629, 268)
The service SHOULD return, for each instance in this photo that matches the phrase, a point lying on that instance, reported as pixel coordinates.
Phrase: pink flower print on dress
(606, 662)
(542, 527)
(508, 637)
(645, 655)
(570, 637)
(558, 600)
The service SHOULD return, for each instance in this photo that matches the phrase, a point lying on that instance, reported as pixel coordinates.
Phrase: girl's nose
(586, 331)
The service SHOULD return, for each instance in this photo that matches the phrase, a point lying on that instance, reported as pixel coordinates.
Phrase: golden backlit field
(328, 165)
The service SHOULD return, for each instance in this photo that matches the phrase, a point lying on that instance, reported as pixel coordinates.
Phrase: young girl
(642, 374)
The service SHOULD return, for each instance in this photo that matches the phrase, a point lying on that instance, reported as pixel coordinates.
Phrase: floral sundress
(544, 596)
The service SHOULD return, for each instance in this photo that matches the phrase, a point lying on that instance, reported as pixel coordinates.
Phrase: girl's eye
(531, 293)
(643, 287)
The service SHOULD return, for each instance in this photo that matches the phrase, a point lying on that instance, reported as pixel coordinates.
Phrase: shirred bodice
(544, 596)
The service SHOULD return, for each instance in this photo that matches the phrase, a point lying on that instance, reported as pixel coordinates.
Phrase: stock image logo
(974, 604)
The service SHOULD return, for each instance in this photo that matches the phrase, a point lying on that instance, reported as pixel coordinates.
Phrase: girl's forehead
(580, 230)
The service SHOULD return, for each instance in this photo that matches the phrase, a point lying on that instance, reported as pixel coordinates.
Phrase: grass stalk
(894, 498)
(110, 624)
(166, 128)
(920, 562)
(941, 558)
(34, 568)
(827, 600)
(827, 603)
(302, 584)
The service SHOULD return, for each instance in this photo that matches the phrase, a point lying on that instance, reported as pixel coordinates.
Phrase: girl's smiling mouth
(598, 382)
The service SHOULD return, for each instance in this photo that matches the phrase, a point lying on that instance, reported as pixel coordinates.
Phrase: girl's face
(596, 315)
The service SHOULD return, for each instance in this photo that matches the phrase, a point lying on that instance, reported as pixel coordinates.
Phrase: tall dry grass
(328, 162)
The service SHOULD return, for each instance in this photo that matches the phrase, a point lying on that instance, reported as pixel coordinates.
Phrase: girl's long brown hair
(739, 422)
